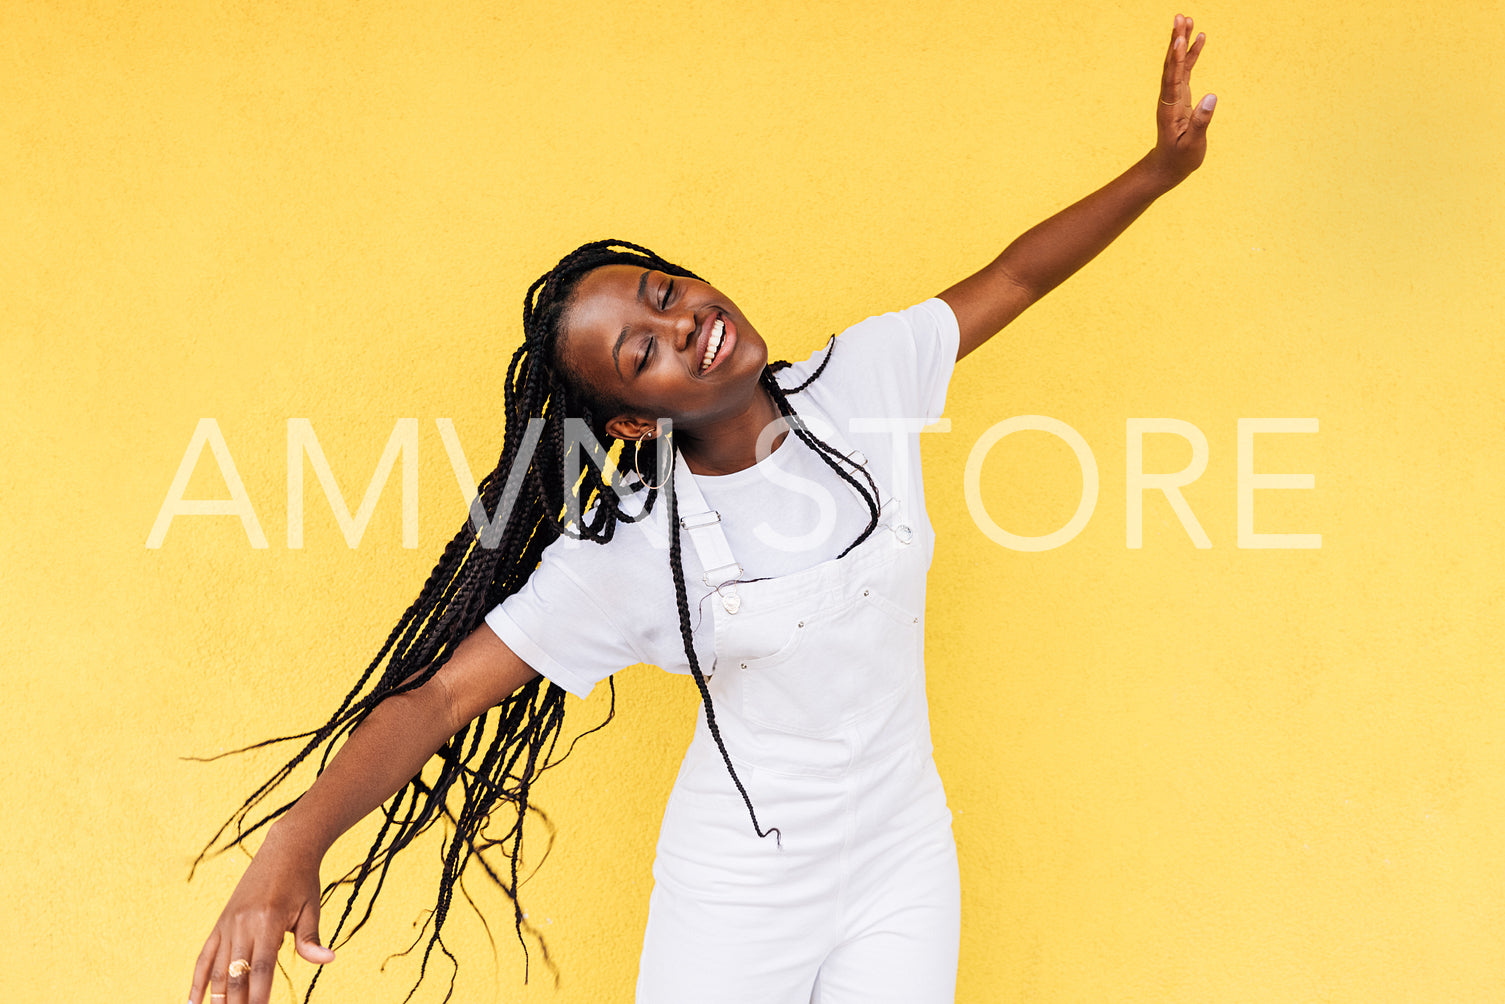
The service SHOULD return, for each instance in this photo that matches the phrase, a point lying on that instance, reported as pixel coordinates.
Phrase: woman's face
(643, 337)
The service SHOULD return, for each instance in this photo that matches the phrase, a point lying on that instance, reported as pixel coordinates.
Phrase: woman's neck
(732, 444)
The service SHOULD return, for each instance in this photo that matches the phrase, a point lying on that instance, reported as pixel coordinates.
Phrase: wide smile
(717, 338)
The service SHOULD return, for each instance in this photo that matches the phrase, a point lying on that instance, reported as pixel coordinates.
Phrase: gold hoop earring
(636, 445)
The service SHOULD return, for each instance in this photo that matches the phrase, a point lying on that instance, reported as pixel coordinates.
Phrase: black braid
(784, 364)
(683, 602)
(832, 456)
(483, 776)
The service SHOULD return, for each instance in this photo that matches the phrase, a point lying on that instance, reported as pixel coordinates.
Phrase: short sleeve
(937, 337)
(557, 627)
(896, 365)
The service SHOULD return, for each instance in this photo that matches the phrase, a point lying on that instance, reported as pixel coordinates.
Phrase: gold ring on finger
(239, 968)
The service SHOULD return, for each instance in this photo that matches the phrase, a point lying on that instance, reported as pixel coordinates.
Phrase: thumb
(306, 935)
(1202, 114)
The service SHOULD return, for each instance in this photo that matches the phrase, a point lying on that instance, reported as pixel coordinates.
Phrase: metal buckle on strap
(736, 573)
(696, 520)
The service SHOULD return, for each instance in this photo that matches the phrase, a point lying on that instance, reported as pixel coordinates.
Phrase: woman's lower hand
(278, 893)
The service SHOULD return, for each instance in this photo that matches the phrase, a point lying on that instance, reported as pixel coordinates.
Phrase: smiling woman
(806, 645)
(676, 348)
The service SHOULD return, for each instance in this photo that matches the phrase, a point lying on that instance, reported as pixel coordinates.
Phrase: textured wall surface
(1179, 774)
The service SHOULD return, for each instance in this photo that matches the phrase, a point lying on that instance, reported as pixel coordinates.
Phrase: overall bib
(819, 696)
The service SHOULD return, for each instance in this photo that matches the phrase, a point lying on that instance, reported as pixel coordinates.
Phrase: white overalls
(819, 695)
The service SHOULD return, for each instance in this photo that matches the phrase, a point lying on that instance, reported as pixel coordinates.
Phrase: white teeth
(714, 345)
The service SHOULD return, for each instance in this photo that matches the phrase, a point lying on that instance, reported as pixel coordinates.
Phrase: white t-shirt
(591, 609)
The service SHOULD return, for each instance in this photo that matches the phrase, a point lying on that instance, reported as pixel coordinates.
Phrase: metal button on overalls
(819, 695)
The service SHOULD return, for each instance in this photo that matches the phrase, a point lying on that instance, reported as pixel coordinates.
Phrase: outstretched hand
(278, 893)
(1180, 125)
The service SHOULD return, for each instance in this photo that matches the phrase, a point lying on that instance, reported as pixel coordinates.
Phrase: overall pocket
(843, 662)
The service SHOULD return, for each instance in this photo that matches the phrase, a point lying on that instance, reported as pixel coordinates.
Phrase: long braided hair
(485, 773)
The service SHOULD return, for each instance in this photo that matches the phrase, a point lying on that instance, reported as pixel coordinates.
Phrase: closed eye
(663, 303)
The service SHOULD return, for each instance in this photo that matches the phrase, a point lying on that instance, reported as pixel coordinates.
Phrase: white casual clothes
(816, 673)
(589, 610)
(820, 697)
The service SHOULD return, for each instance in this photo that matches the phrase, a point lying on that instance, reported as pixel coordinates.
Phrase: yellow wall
(1179, 774)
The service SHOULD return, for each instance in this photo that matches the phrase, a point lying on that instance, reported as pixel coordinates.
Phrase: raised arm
(279, 891)
(1043, 257)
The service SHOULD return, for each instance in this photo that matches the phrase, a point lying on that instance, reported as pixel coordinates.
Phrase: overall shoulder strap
(703, 524)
